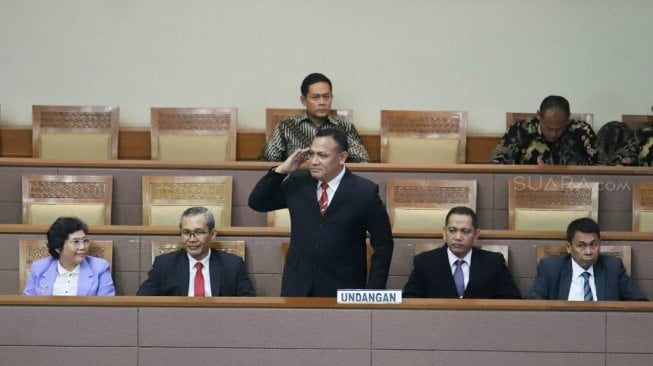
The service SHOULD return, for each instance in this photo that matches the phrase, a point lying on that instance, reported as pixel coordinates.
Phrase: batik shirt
(298, 132)
(524, 144)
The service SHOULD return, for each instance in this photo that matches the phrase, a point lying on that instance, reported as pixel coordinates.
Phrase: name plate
(369, 296)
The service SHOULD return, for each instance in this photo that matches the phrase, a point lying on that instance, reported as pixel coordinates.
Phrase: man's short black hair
(313, 78)
(465, 211)
(554, 102)
(584, 225)
(337, 135)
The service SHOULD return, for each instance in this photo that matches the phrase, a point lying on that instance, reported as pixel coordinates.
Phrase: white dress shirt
(577, 290)
(66, 282)
(205, 273)
(331, 189)
(465, 266)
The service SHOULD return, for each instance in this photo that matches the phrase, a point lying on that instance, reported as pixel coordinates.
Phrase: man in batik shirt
(549, 138)
(294, 133)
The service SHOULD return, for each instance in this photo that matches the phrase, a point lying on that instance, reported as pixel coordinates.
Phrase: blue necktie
(587, 290)
(459, 278)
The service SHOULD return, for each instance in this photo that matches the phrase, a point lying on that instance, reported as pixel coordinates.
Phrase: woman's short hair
(59, 231)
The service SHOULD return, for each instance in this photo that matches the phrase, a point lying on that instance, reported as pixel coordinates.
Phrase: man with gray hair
(196, 269)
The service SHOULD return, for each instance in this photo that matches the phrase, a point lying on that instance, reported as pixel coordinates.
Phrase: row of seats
(413, 204)
(31, 250)
(212, 133)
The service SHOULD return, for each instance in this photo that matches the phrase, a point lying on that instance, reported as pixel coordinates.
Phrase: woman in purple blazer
(70, 271)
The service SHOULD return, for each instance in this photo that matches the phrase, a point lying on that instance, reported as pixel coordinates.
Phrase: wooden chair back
(550, 204)
(194, 134)
(47, 197)
(622, 251)
(165, 198)
(642, 217)
(75, 132)
(168, 246)
(503, 249)
(512, 117)
(429, 137)
(637, 121)
(423, 204)
(275, 115)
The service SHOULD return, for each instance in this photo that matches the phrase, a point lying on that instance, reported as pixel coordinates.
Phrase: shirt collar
(335, 182)
(577, 270)
(452, 257)
(62, 271)
(204, 261)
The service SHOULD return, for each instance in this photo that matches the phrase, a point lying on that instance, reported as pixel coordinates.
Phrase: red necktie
(199, 280)
(324, 199)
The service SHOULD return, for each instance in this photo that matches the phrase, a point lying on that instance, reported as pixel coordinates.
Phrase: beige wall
(486, 57)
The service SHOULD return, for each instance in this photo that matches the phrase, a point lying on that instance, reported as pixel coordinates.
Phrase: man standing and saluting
(331, 212)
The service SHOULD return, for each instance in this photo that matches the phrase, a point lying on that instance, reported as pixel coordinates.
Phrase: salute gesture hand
(294, 161)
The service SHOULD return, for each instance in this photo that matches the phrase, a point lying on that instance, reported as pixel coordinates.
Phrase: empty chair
(642, 206)
(435, 137)
(75, 132)
(512, 117)
(194, 134)
(167, 246)
(622, 251)
(275, 115)
(166, 197)
(637, 121)
(30, 250)
(423, 204)
(549, 204)
(47, 197)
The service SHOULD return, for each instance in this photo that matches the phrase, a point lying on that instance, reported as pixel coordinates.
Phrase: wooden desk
(281, 331)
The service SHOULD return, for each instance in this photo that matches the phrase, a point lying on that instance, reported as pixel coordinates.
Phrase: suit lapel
(85, 278)
(565, 280)
(445, 267)
(183, 270)
(345, 189)
(46, 280)
(599, 280)
(215, 273)
(475, 273)
(309, 191)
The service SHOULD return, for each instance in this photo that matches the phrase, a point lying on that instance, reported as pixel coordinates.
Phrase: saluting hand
(294, 161)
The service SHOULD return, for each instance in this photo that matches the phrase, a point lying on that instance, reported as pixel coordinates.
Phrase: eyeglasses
(78, 243)
(463, 231)
(199, 234)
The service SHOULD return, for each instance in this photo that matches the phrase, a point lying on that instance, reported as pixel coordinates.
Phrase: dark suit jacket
(554, 280)
(328, 253)
(169, 275)
(489, 278)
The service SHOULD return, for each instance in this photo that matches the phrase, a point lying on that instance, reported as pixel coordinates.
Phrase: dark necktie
(324, 199)
(587, 290)
(199, 280)
(459, 278)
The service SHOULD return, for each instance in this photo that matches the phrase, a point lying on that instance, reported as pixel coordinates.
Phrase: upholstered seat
(550, 204)
(423, 204)
(642, 206)
(423, 137)
(75, 132)
(30, 250)
(512, 117)
(275, 115)
(167, 246)
(166, 197)
(194, 134)
(47, 197)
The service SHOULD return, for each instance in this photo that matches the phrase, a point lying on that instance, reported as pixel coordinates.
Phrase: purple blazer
(94, 278)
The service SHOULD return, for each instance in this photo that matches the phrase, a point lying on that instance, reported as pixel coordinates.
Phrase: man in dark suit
(331, 212)
(197, 270)
(457, 270)
(584, 274)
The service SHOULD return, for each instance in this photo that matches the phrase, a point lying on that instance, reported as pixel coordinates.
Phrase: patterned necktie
(324, 199)
(587, 290)
(199, 280)
(459, 278)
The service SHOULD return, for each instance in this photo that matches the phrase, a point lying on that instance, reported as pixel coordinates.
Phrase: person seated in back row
(295, 133)
(584, 274)
(457, 270)
(196, 270)
(550, 138)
